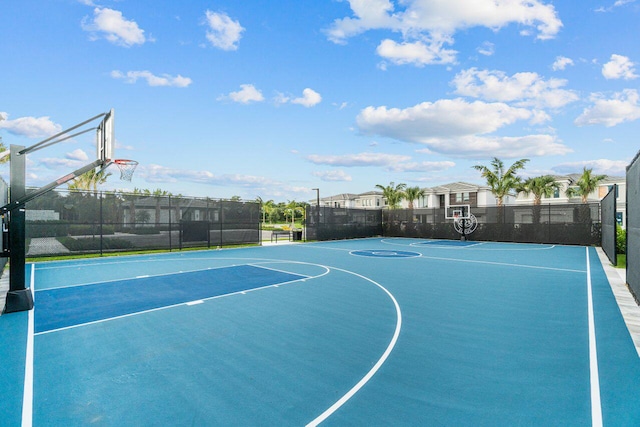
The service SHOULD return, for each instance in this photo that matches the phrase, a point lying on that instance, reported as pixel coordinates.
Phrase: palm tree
(266, 208)
(413, 193)
(586, 184)
(5, 158)
(89, 180)
(293, 208)
(501, 181)
(393, 193)
(540, 186)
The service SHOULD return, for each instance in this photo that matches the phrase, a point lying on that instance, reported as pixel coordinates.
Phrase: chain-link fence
(64, 222)
(4, 241)
(326, 223)
(572, 224)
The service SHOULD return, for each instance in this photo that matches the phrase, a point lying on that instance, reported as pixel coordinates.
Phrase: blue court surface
(367, 332)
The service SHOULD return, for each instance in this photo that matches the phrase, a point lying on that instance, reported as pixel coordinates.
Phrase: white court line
(27, 395)
(472, 261)
(596, 408)
(302, 279)
(433, 243)
(333, 408)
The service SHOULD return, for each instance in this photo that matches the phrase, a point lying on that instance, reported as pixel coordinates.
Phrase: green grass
(622, 261)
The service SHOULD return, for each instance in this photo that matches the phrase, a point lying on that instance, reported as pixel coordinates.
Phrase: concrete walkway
(46, 246)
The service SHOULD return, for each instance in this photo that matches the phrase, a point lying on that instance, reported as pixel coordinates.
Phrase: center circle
(385, 254)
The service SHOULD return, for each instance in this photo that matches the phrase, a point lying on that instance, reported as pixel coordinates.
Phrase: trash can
(297, 235)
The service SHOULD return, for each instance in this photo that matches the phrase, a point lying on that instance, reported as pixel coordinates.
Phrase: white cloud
(309, 98)
(158, 173)
(437, 22)
(417, 53)
(458, 128)
(561, 63)
(31, 127)
(525, 89)
(443, 118)
(111, 25)
(621, 107)
(223, 33)
(421, 166)
(152, 80)
(333, 176)
(360, 159)
(247, 94)
(486, 49)
(77, 154)
(619, 67)
(600, 166)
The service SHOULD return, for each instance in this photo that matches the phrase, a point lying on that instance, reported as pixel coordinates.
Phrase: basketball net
(127, 167)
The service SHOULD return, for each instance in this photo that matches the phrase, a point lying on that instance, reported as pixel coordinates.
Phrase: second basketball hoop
(127, 167)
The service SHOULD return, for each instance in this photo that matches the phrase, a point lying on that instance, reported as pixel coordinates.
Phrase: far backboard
(457, 212)
(105, 138)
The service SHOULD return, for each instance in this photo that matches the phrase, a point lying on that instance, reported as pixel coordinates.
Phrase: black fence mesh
(609, 223)
(327, 223)
(633, 226)
(4, 241)
(572, 224)
(63, 222)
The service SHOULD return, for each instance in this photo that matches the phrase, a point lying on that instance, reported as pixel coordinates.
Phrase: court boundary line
(537, 267)
(244, 292)
(385, 355)
(596, 404)
(146, 276)
(27, 395)
(388, 241)
(627, 305)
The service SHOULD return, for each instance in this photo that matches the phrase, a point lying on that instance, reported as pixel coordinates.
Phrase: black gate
(608, 206)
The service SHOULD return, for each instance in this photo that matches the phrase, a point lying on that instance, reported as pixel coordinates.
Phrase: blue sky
(274, 98)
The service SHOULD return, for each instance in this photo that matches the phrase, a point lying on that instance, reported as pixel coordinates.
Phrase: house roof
(456, 187)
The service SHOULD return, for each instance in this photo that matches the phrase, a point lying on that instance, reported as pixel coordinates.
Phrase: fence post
(101, 224)
(170, 230)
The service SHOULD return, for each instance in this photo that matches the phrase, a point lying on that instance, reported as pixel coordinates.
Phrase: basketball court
(354, 332)
(375, 331)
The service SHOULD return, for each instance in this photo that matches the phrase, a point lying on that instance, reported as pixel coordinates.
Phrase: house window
(556, 193)
(458, 197)
(465, 197)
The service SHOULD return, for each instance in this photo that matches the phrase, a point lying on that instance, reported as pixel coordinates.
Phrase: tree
(585, 185)
(292, 208)
(393, 193)
(540, 186)
(3, 148)
(413, 193)
(89, 181)
(159, 195)
(266, 207)
(501, 181)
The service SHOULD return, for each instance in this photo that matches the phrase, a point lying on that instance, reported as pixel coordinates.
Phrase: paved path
(46, 246)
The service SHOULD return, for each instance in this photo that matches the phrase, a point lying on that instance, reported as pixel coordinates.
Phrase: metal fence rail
(64, 222)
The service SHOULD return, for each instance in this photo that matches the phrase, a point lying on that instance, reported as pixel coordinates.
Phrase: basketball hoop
(127, 167)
